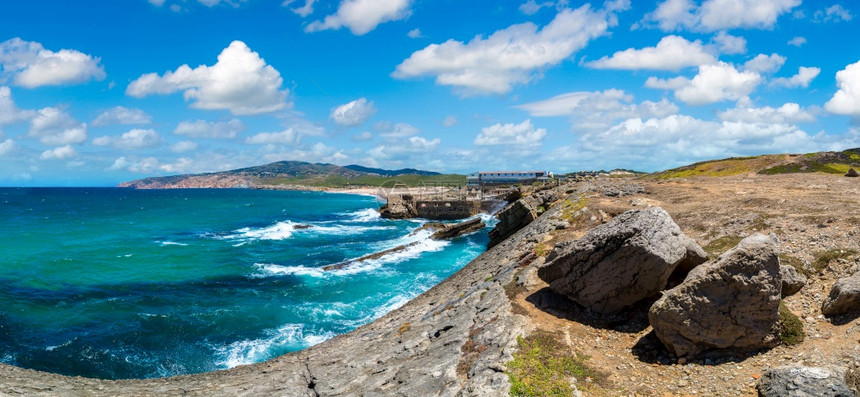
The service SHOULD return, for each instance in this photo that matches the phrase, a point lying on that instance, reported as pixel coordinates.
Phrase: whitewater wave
(363, 216)
(168, 242)
(278, 231)
(258, 350)
(286, 229)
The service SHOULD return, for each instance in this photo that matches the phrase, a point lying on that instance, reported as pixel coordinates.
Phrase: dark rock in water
(448, 231)
(844, 297)
(621, 262)
(852, 173)
(376, 255)
(792, 281)
(300, 227)
(804, 382)
(731, 304)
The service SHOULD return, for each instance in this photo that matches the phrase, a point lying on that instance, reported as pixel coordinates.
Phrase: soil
(811, 214)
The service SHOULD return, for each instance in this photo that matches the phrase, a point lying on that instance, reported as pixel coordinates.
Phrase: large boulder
(729, 304)
(844, 297)
(621, 262)
(852, 173)
(804, 382)
(511, 219)
(792, 281)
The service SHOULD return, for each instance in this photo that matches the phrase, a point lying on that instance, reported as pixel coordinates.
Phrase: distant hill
(827, 162)
(284, 174)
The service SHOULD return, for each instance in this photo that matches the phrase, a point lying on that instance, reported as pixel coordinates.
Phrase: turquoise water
(118, 283)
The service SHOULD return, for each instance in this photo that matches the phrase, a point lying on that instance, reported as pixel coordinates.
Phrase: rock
(852, 377)
(399, 207)
(621, 262)
(844, 297)
(449, 231)
(804, 382)
(852, 173)
(375, 255)
(511, 219)
(792, 281)
(730, 304)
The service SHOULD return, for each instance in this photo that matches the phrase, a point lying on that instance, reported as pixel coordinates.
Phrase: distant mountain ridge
(277, 174)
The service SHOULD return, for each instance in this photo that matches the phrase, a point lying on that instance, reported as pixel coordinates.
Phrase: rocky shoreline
(459, 338)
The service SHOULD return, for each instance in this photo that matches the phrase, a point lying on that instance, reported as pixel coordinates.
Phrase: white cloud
(131, 140)
(765, 64)
(121, 115)
(788, 113)
(30, 65)
(287, 137)
(362, 16)
(834, 13)
(353, 113)
(713, 83)
(240, 82)
(414, 34)
(7, 146)
(804, 76)
(514, 55)
(392, 131)
(715, 15)
(157, 3)
(213, 130)
(847, 100)
(405, 149)
(303, 11)
(183, 146)
(522, 134)
(531, 7)
(58, 153)
(9, 112)
(671, 53)
(797, 41)
(363, 136)
(57, 128)
(728, 44)
(449, 121)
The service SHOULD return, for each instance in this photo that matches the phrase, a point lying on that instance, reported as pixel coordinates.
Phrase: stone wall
(447, 210)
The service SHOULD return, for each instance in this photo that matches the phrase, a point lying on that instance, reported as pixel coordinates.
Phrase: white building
(506, 177)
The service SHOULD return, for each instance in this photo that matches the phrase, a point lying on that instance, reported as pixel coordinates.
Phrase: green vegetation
(727, 167)
(335, 181)
(830, 168)
(790, 327)
(823, 258)
(718, 246)
(570, 206)
(825, 162)
(542, 249)
(545, 366)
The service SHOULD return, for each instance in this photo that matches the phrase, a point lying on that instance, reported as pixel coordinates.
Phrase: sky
(94, 92)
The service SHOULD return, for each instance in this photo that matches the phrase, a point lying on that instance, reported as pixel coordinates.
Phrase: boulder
(852, 173)
(621, 262)
(444, 231)
(804, 382)
(792, 281)
(730, 304)
(399, 207)
(844, 297)
(511, 219)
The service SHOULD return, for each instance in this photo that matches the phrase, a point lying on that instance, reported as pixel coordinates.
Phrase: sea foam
(257, 350)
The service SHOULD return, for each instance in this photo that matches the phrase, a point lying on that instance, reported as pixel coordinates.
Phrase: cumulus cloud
(847, 100)
(55, 127)
(362, 16)
(403, 149)
(363, 136)
(532, 7)
(671, 53)
(30, 65)
(804, 76)
(514, 55)
(597, 110)
(59, 153)
(713, 83)
(213, 130)
(131, 140)
(765, 64)
(240, 82)
(7, 146)
(122, 115)
(303, 11)
(414, 34)
(715, 15)
(797, 41)
(286, 137)
(522, 134)
(183, 146)
(728, 44)
(395, 130)
(788, 113)
(353, 113)
(9, 112)
(834, 13)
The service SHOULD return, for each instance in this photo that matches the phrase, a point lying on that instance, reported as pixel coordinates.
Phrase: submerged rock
(804, 382)
(844, 297)
(621, 262)
(792, 281)
(730, 304)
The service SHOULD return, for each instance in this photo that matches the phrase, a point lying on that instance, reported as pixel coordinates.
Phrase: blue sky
(97, 92)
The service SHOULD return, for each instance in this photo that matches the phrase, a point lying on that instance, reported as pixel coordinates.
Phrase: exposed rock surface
(523, 211)
(804, 382)
(844, 297)
(621, 262)
(730, 304)
(398, 207)
(449, 231)
(852, 173)
(792, 281)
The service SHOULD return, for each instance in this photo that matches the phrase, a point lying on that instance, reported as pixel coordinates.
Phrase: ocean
(120, 283)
